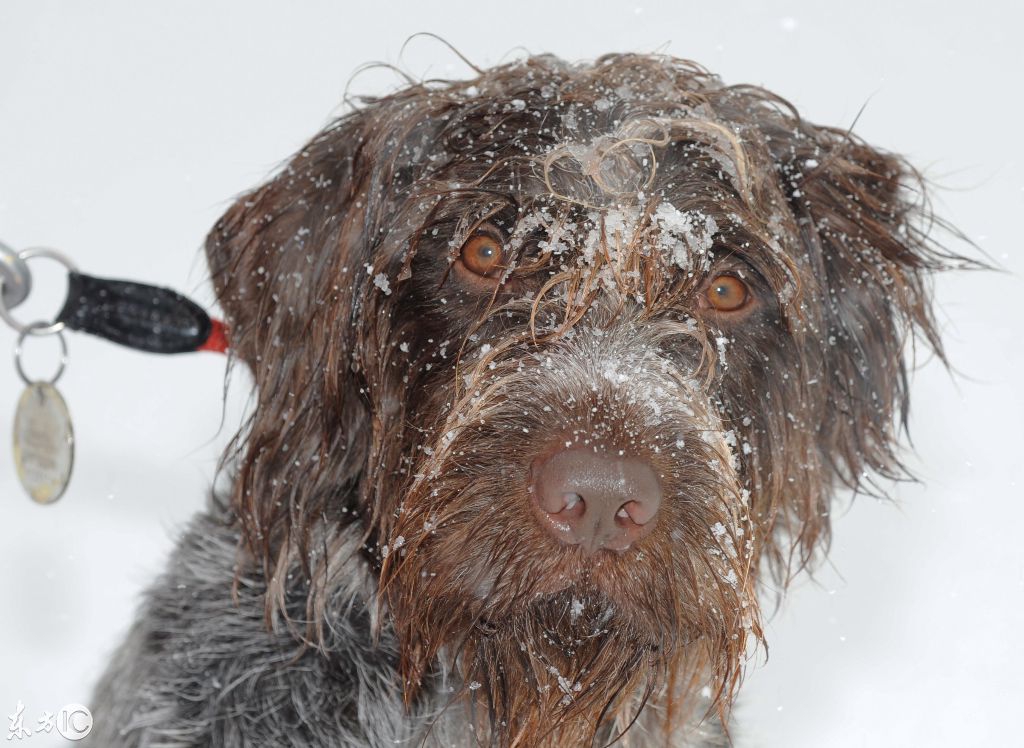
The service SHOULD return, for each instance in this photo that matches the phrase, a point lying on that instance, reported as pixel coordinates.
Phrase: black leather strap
(143, 317)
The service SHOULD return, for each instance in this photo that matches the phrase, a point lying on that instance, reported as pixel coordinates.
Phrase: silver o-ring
(15, 277)
(36, 328)
(18, 348)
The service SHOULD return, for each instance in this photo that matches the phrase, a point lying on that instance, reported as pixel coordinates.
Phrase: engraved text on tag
(43, 442)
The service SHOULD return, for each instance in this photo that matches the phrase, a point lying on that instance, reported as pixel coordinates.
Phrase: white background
(126, 128)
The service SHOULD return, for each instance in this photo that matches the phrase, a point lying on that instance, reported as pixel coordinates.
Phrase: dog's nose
(595, 500)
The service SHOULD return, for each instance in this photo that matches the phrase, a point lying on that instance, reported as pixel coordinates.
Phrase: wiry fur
(375, 574)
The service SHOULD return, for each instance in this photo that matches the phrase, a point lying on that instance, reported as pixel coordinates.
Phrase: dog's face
(580, 348)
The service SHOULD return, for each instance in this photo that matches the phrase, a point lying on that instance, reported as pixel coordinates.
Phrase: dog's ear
(862, 216)
(284, 261)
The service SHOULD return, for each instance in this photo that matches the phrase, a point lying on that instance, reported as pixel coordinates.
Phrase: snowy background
(126, 128)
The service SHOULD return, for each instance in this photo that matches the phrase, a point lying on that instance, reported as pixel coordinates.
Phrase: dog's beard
(546, 641)
(562, 645)
(560, 669)
(549, 670)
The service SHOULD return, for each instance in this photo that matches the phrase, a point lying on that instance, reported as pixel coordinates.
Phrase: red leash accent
(217, 342)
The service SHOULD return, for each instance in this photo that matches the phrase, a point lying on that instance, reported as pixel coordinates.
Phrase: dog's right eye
(483, 254)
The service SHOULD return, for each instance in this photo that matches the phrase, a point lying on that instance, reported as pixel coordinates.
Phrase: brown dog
(550, 364)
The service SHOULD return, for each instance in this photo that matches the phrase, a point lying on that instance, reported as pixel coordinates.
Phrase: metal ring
(37, 328)
(18, 348)
(15, 278)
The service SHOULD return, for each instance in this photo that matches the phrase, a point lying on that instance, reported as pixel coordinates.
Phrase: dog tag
(44, 442)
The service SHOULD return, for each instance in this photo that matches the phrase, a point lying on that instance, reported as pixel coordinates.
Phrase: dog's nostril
(639, 512)
(593, 500)
(628, 513)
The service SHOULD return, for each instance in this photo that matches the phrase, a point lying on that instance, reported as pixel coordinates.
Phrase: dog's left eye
(483, 254)
(727, 293)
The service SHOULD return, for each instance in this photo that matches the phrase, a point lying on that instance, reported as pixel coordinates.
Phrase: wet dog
(550, 366)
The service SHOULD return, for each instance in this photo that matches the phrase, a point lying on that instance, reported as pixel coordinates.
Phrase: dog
(551, 366)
